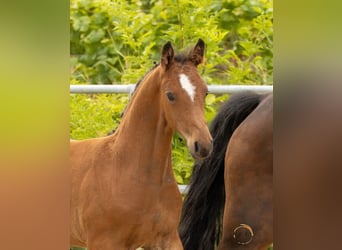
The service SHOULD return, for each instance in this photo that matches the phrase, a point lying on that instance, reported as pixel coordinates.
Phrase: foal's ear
(167, 55)
(197, 53)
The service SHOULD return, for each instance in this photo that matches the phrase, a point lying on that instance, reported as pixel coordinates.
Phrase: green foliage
(95, 115)
(115, 41)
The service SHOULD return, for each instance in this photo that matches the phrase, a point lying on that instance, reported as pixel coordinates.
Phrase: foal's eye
(206, 93)
(170, 96)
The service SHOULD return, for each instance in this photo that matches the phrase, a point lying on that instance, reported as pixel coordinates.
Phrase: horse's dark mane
(201, 221)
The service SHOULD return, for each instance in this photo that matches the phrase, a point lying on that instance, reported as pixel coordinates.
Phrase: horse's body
(233, 187)
(124, 194)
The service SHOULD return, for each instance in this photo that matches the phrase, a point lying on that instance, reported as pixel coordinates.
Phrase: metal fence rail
(215, 89)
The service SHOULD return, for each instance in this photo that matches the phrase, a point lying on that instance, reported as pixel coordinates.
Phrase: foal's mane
(137, 85)
(180, 57)
(133, 92)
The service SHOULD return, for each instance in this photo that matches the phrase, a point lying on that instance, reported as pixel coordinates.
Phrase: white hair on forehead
(187, 86)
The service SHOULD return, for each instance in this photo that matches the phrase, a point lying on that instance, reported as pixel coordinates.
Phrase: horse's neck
(144, 130)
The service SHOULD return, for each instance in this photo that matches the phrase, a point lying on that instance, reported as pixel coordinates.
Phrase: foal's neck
(144, 129)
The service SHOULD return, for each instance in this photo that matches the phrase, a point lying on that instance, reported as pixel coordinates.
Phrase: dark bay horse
(229, 202)
(123, 191)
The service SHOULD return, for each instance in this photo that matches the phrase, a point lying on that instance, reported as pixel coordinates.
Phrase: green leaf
(179, 179)
(81, 24)
(210, 99)
(95, 36)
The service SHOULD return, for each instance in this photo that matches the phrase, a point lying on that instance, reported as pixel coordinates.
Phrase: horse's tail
(200, 227)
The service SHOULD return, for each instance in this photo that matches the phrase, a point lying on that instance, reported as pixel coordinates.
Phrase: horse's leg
(225, 246)
(248, 217)
(105, 241)
(261, 241)
(169, 242)
(173, 242)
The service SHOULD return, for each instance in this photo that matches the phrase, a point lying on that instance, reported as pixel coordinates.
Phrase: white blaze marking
(187, 86)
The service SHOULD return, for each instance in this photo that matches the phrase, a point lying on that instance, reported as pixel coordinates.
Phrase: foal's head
(183, 94)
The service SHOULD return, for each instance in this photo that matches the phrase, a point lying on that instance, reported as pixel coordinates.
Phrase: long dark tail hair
(201, 221)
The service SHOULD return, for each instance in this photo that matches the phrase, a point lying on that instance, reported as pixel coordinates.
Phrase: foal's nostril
(201, 151)
(196, 146)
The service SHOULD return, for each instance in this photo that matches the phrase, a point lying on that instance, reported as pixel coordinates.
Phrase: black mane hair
(201, 220)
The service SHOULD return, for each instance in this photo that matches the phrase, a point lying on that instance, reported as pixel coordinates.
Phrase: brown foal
(123, 191)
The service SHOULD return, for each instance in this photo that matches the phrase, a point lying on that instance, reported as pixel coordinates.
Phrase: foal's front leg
(106, 241)
(170, 242)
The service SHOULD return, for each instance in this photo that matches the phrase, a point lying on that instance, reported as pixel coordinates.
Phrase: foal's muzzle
(202, 150)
